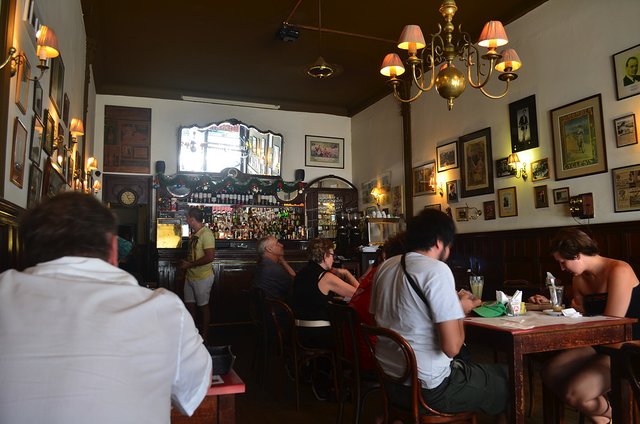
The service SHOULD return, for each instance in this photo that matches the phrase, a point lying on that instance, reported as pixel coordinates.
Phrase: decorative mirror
(229, 144)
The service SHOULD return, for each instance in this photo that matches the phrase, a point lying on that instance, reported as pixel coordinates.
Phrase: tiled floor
(274, 401)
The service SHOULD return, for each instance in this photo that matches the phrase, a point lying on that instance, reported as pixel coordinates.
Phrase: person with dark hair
(601, 286)
(395, 245)
(274, 275)
(414, 294)
(81, 341)
(199, 270)
(631, 71)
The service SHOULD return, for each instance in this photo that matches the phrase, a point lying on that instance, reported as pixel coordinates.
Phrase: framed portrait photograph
(507, 202)
(503, 169)
(476, 170)
(324, 152)
(424, 179)
(37, 133)
(540, 169)
(578, 139)
(35, 186)
(523, 123)
(625, 64)
(626, 132)
(447, 156)
(561, 195)
(626, 188)
(37, 98)
(57, 83)
(22, 84)
(541, 197)
(462, 214)
(452, 191)
(489, 210)
(49, 132)
(18, 153)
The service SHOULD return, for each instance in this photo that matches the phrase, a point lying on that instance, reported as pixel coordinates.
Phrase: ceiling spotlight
(288, 33)
(320, 69)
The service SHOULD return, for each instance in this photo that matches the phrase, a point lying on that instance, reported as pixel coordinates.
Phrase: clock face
(128, 197)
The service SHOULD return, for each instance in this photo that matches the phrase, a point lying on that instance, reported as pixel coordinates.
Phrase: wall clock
(128, 197)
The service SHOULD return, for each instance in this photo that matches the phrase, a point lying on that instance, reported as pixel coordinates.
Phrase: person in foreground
(581, 376)
(80, 340)
(199, 272)
(274, 275)
(433, 325)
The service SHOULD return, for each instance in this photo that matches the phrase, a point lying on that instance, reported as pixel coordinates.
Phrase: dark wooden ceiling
(229, 49)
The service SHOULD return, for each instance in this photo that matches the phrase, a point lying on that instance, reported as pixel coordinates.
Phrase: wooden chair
(344, 321)
(419, 411)
(260, 321)
(289, 347)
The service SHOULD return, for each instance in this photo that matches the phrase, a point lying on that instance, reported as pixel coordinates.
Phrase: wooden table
(510, 335)
(218, 406)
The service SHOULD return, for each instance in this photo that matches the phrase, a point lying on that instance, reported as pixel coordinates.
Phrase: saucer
(552, 313)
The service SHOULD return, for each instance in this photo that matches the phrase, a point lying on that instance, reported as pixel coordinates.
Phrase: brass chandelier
(442, 50)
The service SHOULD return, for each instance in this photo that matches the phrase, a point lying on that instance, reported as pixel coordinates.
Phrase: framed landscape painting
(578, 138)
(476, 163)
(324, 152)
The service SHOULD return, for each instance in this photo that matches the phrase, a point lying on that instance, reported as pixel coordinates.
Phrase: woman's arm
(345, 275)
(330, 282)
(620, 283)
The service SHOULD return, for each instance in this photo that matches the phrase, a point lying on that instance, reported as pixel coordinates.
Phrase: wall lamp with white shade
(46, 48)
(520, 167)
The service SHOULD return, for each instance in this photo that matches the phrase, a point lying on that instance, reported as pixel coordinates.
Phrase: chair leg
(531, 374)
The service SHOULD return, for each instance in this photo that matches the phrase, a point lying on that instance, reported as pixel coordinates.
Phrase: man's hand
(468, 301)
(538, 299)
(184, 264)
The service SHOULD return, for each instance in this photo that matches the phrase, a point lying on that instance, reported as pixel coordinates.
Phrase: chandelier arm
(399, 98)
(432, 65)
(492, 96)
(480, 83)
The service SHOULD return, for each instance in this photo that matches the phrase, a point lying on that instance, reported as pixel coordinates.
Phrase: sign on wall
(127, 139)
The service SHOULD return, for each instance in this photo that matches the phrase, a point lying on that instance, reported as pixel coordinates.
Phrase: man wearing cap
(414, 294)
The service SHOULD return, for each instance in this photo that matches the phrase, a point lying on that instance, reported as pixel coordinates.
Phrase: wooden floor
(274, 401)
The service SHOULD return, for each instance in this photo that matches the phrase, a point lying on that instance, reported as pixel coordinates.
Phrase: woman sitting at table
(601, 286)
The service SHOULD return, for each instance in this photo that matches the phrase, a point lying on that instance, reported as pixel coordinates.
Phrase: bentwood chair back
(294, 354)
(345, 325)
(418, 411)
(260, 320)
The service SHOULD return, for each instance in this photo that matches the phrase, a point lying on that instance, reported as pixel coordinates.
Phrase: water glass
(555, 294)
(477, 284)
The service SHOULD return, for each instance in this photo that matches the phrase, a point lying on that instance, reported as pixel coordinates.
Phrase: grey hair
(262, 245)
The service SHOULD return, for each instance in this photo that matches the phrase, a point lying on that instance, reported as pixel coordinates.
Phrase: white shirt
(82, 342)
(396, 306)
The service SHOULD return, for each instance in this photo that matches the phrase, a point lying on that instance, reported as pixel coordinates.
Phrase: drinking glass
(477, 284)
(555, 294)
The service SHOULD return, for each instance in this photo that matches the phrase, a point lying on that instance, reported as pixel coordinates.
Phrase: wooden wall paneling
(10, 245)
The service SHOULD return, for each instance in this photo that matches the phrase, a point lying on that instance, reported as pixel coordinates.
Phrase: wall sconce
(440, 186)
(378, 194)
(76, 129)
(520, 167)
(92, 172)
(472, 213)
(46, 48)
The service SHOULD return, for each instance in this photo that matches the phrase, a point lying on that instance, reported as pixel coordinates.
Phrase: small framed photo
(452, 191)
(561, 195)
(626, 188)
(503, 169)
(324, 152)
(18, 153)
(49, 129)
(541, 196)
(625, 64)
(626, 132)
(578, 138)
(523, 123)
(434, 206)
(489, 210)
(424, 179)
(462, 214)
(447, 156)
(22, 84)
(37, 98)
(35, 186)
(37, 133)
(65, 110)
(540, 169)
(507, 202)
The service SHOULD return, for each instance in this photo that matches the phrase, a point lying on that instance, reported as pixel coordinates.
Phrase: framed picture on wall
(57, 84)
(541, 196)
(507, 202)
(18, 153)
(540, 169)
(447, 156)
(578, 138)
(424, 179)
(324, 152)
(37, 98)
(35, 186)
(462, 214)
(37, 133)
(452, 191)
(625, 64)
(626, 188)
(489, 209)
(49, 132)
(22, 84)
(476, 163)
(561, 195)
(66, 105)
(503, 169)
(523, 123)
(626, 132)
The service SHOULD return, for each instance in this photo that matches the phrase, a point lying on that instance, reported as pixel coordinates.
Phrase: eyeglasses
(331, 253)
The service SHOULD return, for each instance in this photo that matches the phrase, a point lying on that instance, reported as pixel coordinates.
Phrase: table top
(534, 321)
(232, 384)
